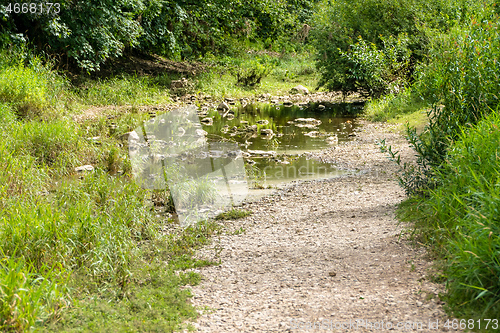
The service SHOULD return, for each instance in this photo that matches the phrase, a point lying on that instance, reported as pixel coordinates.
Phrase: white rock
(299, 89)
(83, 168)
(223, 106)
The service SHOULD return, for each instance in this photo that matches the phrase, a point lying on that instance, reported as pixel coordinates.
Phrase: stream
(274, 139)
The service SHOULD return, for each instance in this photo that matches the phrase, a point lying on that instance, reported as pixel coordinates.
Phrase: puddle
(273, 137)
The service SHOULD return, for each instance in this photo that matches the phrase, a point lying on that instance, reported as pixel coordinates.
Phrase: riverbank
(322, 250)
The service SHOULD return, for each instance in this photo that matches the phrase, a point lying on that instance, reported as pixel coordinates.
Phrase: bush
(251, 73)
(89, 33)
(371, 71)
(460, 79)
(339, 25)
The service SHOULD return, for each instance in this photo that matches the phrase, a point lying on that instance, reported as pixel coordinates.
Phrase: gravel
(323, 253)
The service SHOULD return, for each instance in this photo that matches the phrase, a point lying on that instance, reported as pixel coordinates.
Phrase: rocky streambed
(323, 253)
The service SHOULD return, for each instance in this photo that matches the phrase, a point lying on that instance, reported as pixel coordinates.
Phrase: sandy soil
(318, 256)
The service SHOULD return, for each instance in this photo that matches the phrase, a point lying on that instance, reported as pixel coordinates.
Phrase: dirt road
(323, 256)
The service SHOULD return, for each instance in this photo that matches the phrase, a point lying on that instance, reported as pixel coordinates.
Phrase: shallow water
(240, 155)
(295, 130)
(289, 138)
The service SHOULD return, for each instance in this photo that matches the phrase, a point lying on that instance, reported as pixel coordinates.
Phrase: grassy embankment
(454, 203)
(86, 252)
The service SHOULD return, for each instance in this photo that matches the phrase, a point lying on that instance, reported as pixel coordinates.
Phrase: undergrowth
(460, 219)
(83, 251)
(454, 200)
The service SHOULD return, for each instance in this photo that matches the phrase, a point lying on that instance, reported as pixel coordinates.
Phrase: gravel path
(317, 256)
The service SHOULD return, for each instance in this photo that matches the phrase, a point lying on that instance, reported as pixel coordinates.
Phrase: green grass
(460, 220)
(400, 109)
(122, 90)
(393, 105)
(219, 81)
(84, 252)
(233, 214)
(151, 300)
(285, 72)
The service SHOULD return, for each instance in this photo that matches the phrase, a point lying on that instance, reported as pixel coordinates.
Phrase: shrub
(251, 73)
(339, 24)
(461, 80)
(371, 71)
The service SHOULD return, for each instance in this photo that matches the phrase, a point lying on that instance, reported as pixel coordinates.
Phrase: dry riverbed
(326, 252)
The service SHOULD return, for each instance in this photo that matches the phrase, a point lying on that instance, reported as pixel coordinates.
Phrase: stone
(321, 107)
(179, 84)
(261, 153)
(309, 121)
(200, 132)
(252, 128)
(331, 140)
(228, 113)
(207, 121)
(313, 134)
(84, 168)
(130, 136)
(300, 89)
(223, 106)
(266, 131)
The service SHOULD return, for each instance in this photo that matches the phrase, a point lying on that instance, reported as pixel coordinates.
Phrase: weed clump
(233, 214)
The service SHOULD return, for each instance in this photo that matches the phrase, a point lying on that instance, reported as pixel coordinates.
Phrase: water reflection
(290, 130)
(273, 137)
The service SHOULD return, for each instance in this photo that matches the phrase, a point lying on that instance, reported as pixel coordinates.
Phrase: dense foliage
(352, 41)
(90, 32)
(460, 82)
(467, 206)
(456, 179)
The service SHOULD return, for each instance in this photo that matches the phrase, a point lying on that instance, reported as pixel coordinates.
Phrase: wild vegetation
(454, 184)
(89, 251)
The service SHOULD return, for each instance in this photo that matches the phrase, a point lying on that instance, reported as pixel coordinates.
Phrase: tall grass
(66, 238)
(30, 87)
(460, 81)
(122, 90)
(56, 144)
(455, 202)
(393, 106)
(26, 297)
(461, 218)
(285, 72)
